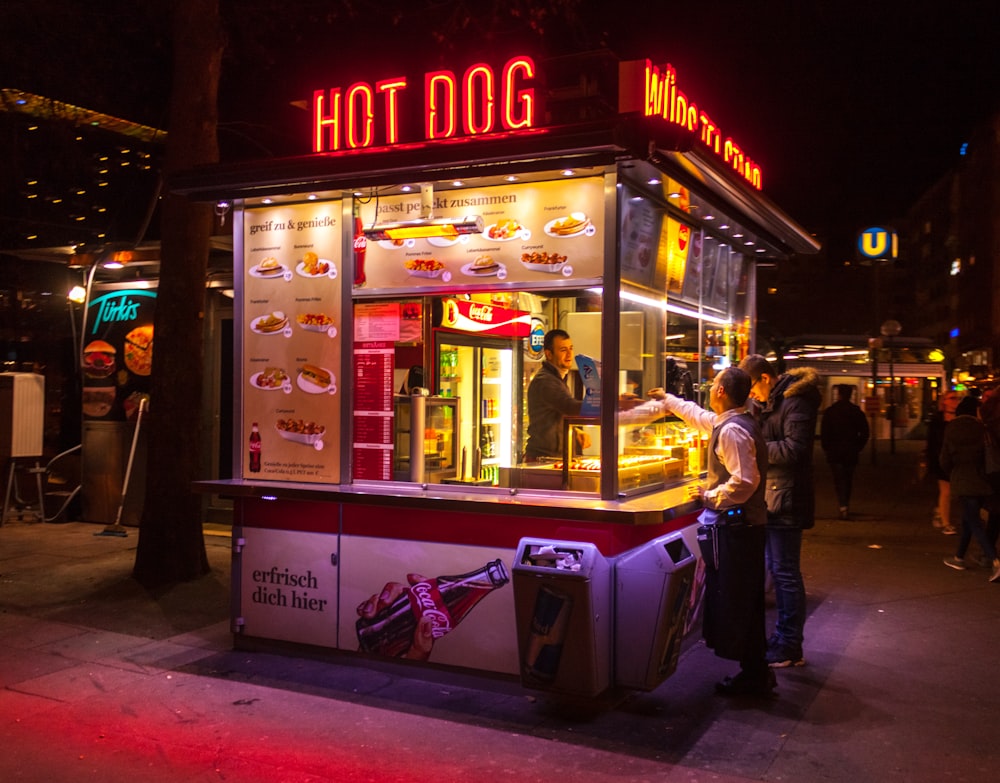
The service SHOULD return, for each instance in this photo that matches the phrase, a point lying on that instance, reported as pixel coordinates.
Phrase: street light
(889, 330)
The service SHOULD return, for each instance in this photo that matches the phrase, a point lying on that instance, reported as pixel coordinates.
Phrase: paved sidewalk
(103, 680)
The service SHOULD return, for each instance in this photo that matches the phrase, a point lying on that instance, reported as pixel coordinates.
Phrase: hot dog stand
(393, 287)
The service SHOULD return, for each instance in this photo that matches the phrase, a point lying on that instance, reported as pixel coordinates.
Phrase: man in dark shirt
(550, 399)
(843, 432)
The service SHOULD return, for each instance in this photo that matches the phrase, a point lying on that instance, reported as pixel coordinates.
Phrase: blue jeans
(784, 549)
(972, 526)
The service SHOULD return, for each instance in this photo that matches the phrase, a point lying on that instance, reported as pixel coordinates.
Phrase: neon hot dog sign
(480, 101)
(486, 100)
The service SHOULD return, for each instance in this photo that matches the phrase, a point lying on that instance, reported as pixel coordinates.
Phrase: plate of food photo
(543, 262)
(315, 380)
(269, 267)
(272, 323)
(98, 401)
(484, 266)
(300, 431)
(572, 225)
(312, 265)
(506, 231)
(138, 349)
(424, 267)
(269, 379)
(99, 359)
(314, 322)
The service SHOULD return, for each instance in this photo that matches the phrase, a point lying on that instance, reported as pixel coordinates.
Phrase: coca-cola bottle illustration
(254, 448)
(360, 248)
(445, 600)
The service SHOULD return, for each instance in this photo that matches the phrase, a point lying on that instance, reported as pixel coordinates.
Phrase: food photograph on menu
(291, 342)
(535, 233)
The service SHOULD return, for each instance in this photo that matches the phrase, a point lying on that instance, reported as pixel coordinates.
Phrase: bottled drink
(254, 448)
(446, 600)
(360, 248)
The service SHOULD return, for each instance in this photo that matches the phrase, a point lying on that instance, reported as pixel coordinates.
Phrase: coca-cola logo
(427, 603)
(481, 312)
(360, 242)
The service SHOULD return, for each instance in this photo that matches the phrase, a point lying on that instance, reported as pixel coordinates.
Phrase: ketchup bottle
(360, 247)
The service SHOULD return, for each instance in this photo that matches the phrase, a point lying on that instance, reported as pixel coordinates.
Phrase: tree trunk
(171, 545)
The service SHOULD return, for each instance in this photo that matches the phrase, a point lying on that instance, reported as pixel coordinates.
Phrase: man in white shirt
(734, 557)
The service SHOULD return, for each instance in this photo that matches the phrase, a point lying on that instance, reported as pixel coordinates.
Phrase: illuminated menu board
(291, 342)
(534, 234)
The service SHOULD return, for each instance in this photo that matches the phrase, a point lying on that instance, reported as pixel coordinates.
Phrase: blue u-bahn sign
(878, 244)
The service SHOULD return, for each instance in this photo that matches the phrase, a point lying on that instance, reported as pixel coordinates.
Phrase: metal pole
(873, 407)
(117, 529)
(418, 420)
(892, 402)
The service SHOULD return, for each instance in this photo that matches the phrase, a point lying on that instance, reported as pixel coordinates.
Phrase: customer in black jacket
(843, 432)
(963, 456)
(789, 406)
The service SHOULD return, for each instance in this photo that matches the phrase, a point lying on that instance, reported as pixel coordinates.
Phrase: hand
(627, 401)
(423, 642)
(696, 492)
(659, 393)
(582, 439)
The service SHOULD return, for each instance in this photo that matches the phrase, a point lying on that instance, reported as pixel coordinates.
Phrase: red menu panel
(373, 413)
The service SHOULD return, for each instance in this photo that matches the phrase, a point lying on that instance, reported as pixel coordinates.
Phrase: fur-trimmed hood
(800, 382)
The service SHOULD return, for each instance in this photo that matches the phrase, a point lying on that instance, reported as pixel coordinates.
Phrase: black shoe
(780, 657)
(759, 686)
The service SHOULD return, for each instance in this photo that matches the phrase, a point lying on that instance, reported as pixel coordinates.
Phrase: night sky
(852, 109)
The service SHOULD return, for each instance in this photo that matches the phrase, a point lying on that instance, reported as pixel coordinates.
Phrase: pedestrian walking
(963, 457)
(946, 404)
(843, 434)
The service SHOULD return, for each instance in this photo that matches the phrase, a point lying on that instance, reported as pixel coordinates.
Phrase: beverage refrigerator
(484, 374)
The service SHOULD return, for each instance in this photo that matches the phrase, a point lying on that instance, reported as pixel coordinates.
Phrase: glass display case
(651, 456)
(440, 441)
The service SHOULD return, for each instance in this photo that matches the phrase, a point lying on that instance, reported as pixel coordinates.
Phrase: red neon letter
(440, 112)
(360, 115)
(391, 88)
(513, 98)
(482, 99)
(331, 121)
(709, 133)
(733, 155)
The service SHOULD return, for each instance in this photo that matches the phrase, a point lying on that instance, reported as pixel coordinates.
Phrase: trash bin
(562, 602)
(653, 585)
